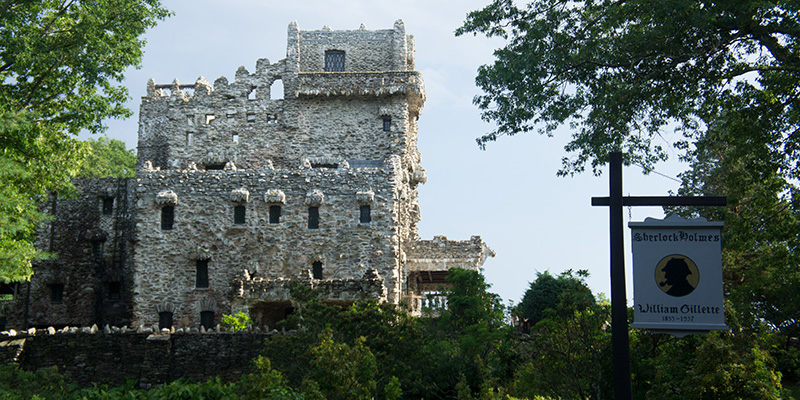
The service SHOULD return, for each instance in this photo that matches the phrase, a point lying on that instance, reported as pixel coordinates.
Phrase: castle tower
(242, 190)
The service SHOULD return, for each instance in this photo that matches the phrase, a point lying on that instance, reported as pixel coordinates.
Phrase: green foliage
(108, 157)
(343, 372)
(59, 62)
(720, 365)
(16, 384)
(568, 352)
(19, 219)
(393, 391)
(623, 71)
(265, 383)
(238, 322)
(564, 294)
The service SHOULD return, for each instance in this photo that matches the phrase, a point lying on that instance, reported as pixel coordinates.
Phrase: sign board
(677, 275)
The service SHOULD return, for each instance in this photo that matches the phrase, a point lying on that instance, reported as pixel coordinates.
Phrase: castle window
(189, 138)
(97, 249)
(324, 165)
(108, 205)
(235, 138)
(114, 291)
(215, 167)
(56, 292)
(316, 270)
(276, 90)
(251, 117)
(207, 319)
(189, 119)
(167, 217)
(365, 216)
(210, 118)
(201, 275)
(274, 214)
(387, 124)
(334, 61)
(313, 217)
(165, 320)
(238, 214)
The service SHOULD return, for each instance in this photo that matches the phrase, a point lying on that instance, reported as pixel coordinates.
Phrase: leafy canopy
(108, 157)
(620, 72)
(60, 67)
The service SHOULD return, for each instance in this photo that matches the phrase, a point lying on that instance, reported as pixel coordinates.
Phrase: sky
(508, 194)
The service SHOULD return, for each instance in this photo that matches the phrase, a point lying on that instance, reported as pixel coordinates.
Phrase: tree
(60, 65)
(108, 157)
(622, 71)
(564, 294)
(568, 352)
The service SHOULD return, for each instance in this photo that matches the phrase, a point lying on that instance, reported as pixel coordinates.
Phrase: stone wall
(365, 50)
(150, 359)
(204, 229)
(89, 279)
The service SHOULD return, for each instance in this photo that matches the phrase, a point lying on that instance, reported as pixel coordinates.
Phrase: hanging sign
(677, 275)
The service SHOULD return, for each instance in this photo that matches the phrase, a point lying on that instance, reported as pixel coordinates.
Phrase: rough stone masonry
(238, 193)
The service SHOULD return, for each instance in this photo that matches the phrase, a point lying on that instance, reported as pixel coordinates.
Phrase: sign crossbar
(615, 202)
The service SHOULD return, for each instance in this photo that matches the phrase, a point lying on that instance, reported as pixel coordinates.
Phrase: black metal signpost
(621, 355)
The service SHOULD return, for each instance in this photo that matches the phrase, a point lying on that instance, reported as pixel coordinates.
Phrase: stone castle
(239, 193)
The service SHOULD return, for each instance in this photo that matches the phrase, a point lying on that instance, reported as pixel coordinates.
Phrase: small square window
(251, 117)
(235, 138)
(239, 214)
(201, 275)
(56, 292)
(274, 214)
(313, 217)
(108, 205)
(210, 118)
(334, 61)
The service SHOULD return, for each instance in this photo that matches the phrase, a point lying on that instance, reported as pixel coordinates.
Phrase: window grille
(334, 61)
(387, 124)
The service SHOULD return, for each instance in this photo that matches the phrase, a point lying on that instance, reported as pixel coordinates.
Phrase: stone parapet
(441, 254)
(372, 84)
(369, 287)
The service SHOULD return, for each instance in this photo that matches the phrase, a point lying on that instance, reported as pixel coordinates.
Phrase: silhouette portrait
(676, 272)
